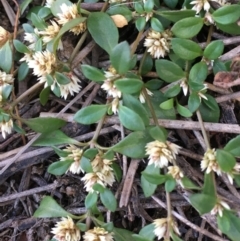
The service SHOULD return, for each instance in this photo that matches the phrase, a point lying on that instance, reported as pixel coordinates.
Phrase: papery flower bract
(158, 44)
(175, 172)
(66, 230)
(208, 19)
(70, 12)
(5, 78)
(75, 154)
(32, 38)
(199, 5)
(97, 234)
(109, 86)
(142, 96)
(184, 86)
(26, 58)
(6, 127)
(50, 33)
(4, 36)
(202, 92)
(42, 63)
(115, 104)
(219, 207)
(49, 3)
(160, 227)
(91, 178)
(209, 162)
(70, 88)
(161, 153)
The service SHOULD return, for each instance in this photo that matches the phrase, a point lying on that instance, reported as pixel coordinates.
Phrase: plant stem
(136, 42)
(78, 46)
(98, 129)
(26, 93)
(169, 215)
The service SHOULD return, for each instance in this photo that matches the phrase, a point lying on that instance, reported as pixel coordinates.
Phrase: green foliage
(106, 37)
(20, 47)
(86, 164)
(149, 188)
(198, 73)
(187, 27)
(44, 124)
(6, 54)
(183, 111)
(147, 231)
(23, 71)
(60, 167)
(225, 160)
(233, 146)
(49, 208)
(44, 95)
(169, 71)
(158, 133)
(108, 200)
(140, 23)
(170, 184)
(156, 25)
(129, 85)
(214, 50)
(176, 15)
(90, 114)
(130, 119)
(186, 49)
(91, 200)
(133, 145)
(92, 73)
(229, 224)
(121, 234)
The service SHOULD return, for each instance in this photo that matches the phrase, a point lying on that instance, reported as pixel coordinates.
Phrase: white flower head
(115, 104)
(142, 96)
(70, 12)
(49, 3)
(6, 127)
(199, 5)
(184, 86)
(160, 227)
(66, 230)
(158, 44)
(161, 153)
(5, 78)
(70, 88)
(4, 36)
(32, 38)
(209, 162)
(42, 63)
(175, 172)
(92, 178)
(97, 234)
(75, 154)
(219, 207)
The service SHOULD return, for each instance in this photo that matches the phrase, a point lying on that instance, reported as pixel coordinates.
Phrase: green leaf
(158, 133)
(198, 73)
(98, 188)
(91, 200)
(156, 25)
(44, 12)
(171, 3)
(44, 124)
(218, 66)
(225, 160)
(24, 5)
(86, 164)
(188, 184)
(56, 6)
(66, 27)
(214, 50)
(117, 171)
(154, 178)
(6, 91)
(140, 23)
(193, 102)
(153, 84)
(170, 184)
(134, 104)
(168, 71)
(209, 114)
(133, 145)
(237, 180)
(38, 22)
(91, 153)
(103, 30)
(147, 231)
(28, 28)
(137, 237)
(20, 47)
(129, 85)
(233, 146)
(44, 95)
(92, 73)
(54, 138)
(49, 208)
(147, 65)
(229, 224)
(130, 119)
(173, 91)
(81, 226)
(183, 111)
(209, 185)
(167, 105)
(90, 114)
(185, 48)
(62, 79)
(227, 14)
(187, 27)
(175, 237)
(23, 71)
(6, 54)
(121, 57)
(121, 234)
(148, 5)
(122, 10)
(108, 226)
(232, 28)
(108, 200)
(60, 167)
(60, 152)
(203, 203)
(176, 15)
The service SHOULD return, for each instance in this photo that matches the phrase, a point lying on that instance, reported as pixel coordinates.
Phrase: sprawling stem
(136, 42)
